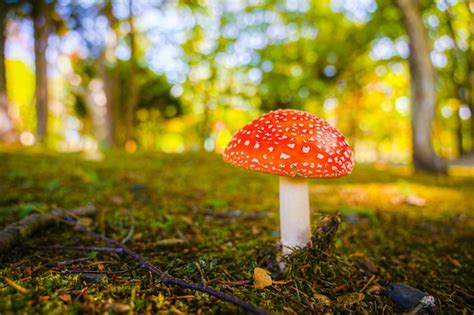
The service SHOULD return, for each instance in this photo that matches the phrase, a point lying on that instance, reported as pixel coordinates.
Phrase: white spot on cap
(284, 156)
(270, 149)
(306, 149)
(256, 146)
(290, 145)
(320, 156)
(246, 142)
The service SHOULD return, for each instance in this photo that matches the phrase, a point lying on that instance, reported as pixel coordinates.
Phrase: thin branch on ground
(165, 278)
(98, 272)
(68, 262)
(15, 233)
(130, 231)
(81, 249)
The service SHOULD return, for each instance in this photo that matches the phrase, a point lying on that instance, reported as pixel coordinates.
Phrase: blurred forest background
(176, 76)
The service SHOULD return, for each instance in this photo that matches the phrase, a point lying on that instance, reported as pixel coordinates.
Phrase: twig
(97, 272)
(15, 285)
(81, 249)
(67, 262)
(368, 283)
(15, 233)
(235, 283)
(130, 231)
(145, 264)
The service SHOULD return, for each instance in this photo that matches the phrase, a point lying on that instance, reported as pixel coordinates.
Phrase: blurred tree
(108, 74)
(133, 82)
(423, 89)
(6, 123)
(39, 15)
(470, 73)
(97, 71)
(461, 72)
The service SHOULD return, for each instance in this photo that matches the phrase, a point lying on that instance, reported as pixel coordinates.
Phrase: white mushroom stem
(294, 213)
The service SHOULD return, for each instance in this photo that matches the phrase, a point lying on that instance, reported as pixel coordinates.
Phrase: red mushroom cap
(291, 143)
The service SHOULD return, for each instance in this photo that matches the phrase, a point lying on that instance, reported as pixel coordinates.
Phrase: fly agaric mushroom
(294, 145)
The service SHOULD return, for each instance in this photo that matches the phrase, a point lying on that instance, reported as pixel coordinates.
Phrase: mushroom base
(294, 214)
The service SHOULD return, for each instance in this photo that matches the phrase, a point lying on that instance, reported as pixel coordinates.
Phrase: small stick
(67, 262)
(130, 231)
(81, 249)
(368, 283)
(15, 233)
(97, 272)
(15, 285)
(164, 277)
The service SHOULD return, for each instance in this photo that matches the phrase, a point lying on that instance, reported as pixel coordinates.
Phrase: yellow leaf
(455, 262)
(350, 298)
(322, 299)
(174, 310)
(262, 278)
(289, 310)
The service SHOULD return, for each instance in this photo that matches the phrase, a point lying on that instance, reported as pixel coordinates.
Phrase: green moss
(393, 227)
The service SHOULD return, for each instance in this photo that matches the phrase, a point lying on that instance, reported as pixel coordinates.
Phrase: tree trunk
(205, 128)
(41, 41)
(109, 90)
(423, 90)
(6, 125)
(457, 84)
(133, 85)
(110, 79)
(470, 71)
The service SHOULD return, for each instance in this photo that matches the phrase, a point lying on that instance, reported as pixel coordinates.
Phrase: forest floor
(202, 220)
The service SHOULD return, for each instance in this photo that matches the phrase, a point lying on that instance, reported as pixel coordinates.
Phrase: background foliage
(205, 68)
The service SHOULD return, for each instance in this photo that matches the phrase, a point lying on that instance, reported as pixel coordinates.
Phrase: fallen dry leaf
(65, 297)
(322, 299)
(351, 298)
(262, 278)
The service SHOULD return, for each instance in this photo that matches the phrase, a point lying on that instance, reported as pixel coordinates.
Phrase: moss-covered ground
(205, 221)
